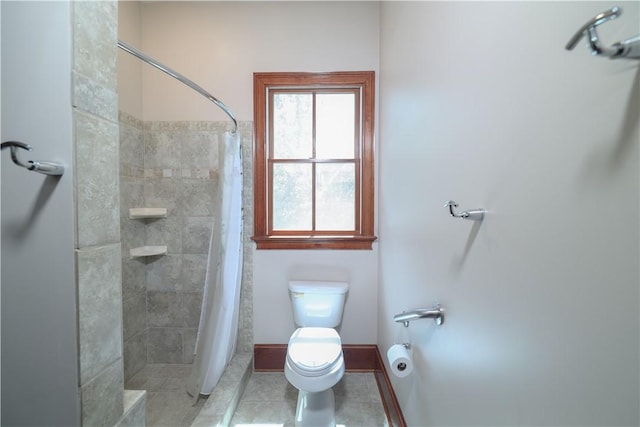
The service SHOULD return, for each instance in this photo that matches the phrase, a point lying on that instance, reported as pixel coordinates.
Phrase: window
(313, 160)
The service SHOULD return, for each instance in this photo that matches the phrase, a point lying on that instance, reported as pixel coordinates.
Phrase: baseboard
(389, 399)
(357, 358)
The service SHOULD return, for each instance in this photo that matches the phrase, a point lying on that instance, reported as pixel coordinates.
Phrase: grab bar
(47, 168)
(149, 60)
(629, 48)
(472, 214)
(436, 313)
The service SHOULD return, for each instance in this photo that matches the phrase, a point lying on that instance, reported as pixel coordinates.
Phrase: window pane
(291, 196)
(335, 125)
(292, 125)
(335, 196)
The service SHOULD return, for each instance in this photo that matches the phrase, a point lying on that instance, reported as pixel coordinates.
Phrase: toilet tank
(317, 303)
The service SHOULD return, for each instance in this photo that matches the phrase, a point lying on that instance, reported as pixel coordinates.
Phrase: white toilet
(314, 355)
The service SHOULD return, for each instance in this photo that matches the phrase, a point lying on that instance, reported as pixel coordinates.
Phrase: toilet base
(315, 409)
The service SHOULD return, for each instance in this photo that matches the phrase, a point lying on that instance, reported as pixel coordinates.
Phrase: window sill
(314, 242)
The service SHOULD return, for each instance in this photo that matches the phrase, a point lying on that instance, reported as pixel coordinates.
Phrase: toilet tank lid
(318, 287)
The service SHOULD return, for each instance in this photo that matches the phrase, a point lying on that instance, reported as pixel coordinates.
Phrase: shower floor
(268, 399)
(168, 405)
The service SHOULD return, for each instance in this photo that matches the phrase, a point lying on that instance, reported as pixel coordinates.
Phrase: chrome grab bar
(149, 60)
(473, 214)
(436, 313)
(47, 168)
(629, 48)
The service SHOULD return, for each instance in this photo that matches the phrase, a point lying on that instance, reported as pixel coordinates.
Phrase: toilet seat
(313, 352)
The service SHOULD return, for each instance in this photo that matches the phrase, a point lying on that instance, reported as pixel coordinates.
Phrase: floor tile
(268, 399)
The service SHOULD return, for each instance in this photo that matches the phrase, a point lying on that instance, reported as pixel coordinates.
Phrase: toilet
(314, 362)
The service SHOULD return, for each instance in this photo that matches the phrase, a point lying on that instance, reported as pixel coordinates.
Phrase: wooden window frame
(363, 237)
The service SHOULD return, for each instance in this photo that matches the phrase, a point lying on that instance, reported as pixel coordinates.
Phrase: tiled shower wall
(172, 165)
(98, 240)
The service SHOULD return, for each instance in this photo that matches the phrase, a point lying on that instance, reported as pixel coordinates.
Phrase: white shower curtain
(218, 328)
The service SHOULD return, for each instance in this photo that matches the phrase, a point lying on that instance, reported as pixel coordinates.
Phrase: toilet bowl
(314, 364)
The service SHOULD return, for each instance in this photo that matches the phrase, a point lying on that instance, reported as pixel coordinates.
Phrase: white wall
(219, 45)
(39, 324)
(481, 103)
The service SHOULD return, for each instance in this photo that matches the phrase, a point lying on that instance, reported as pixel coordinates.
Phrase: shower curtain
(218, 328)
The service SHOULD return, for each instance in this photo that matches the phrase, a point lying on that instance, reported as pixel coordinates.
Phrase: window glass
(335, 125)
(292, 203)
(335, 196)
(292, 125)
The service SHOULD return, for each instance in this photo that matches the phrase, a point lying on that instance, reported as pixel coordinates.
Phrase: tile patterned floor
(267, 400)
(270, 400)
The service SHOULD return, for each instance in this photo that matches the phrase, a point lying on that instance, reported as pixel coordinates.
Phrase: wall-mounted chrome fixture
(629, 48)
(182, 79)
(436, 313)
(47, 168)
(472, 214)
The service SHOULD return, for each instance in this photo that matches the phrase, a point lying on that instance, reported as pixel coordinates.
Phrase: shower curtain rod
(149, 60)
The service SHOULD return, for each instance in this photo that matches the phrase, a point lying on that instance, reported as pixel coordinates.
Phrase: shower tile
(95, 36)
(163, 274)
(171, 408)
(132, 233)
(162, 150)
(191, 305)
(199, 197)
(245, 340)
(134, 319)
(134, 409)
(131, 195)
(135, 354)
(97, 190)
(131, 146)
(164, 345)
(165, 232)
(100, 308)
(179, 371)
(194, 268)
(164, 193)
(164, 309)
(130, 120)
(94, 98)
(189, 344)
(102, 397)
(196, 234)
(133, 275)
(199, 150)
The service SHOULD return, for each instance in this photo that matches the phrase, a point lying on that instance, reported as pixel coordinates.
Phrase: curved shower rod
(149, 60)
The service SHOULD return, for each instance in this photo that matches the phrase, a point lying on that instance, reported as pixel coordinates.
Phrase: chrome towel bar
(436, 313)
(47, 168)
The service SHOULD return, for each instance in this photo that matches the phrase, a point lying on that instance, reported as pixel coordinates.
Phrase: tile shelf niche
(147, 213)
(145, 251)
(142, 213)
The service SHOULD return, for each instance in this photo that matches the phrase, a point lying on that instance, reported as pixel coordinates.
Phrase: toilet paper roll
(399, 360)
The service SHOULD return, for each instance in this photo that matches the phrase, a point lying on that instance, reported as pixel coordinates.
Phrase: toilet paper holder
(436, 313)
